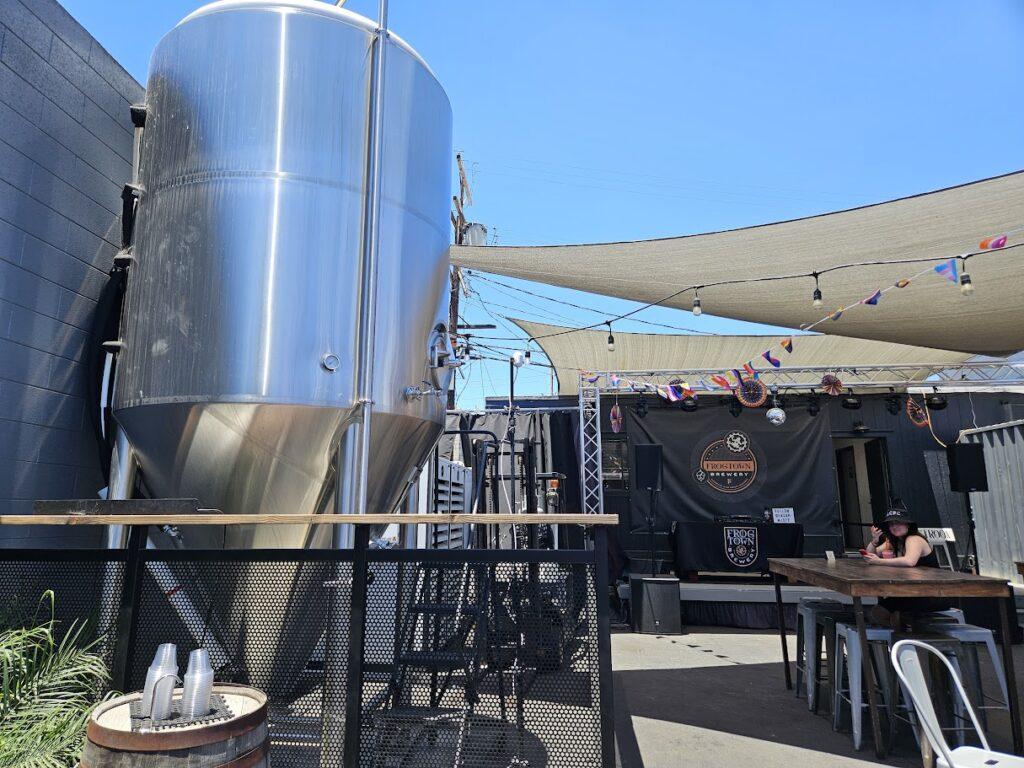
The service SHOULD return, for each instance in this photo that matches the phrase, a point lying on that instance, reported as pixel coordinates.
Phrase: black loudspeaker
(654, 605)
(648, 467)
(967, 467)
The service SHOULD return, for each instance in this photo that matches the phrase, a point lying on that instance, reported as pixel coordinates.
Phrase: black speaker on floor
(647, 473)
(967, 467)
(654, 605)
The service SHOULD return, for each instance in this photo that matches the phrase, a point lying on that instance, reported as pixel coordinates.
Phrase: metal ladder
(444, 633)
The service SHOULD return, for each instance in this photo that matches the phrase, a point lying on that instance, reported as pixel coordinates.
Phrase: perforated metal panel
(455, 657)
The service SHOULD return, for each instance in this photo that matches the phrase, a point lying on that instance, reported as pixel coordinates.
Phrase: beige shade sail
(929, 312)
(588, 351)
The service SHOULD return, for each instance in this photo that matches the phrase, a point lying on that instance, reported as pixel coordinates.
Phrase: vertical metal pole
(870, 681)
(354, 453)
(782, 630)
(353, 460)
(356, 641)
(604, 648)
(1011, 683)
(128, 611)
(115, 578)
(511, 435)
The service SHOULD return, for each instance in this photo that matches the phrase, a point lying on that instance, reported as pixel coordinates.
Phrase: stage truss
(861, 378)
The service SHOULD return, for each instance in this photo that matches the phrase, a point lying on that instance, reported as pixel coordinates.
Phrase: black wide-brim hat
(898, 513)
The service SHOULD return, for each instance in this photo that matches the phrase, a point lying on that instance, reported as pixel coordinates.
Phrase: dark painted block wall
(65, 152)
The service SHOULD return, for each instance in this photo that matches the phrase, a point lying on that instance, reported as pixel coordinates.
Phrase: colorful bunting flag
(591, 378)
(992, 243)
(903, 283)
(948, 270)
(775, 362)
(872, 300)
(614, 379)
(721, 381)
(737, 375)
(787, 344)
(836, 315)
(751, 371)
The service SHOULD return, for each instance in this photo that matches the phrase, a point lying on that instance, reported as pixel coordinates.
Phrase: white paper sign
(783, 515)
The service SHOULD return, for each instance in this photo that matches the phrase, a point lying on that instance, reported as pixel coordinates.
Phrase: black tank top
(931, 560)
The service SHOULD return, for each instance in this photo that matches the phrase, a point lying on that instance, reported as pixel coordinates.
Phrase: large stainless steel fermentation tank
(235, 381)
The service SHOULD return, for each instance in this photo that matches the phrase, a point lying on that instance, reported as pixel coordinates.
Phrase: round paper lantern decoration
(831, 385)
(752, 393)
(917, 415)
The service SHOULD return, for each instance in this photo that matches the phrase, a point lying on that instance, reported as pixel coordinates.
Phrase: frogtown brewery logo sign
(727, 465)
(741, 545)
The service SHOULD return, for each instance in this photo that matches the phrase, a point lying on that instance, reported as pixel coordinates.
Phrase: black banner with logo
(717, 465)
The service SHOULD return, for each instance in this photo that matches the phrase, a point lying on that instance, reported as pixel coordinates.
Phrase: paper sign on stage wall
(783, 515)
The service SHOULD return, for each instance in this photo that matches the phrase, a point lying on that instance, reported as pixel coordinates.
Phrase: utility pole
(465, 197)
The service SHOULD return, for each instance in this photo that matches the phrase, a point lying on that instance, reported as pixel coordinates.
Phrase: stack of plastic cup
(195, 699)
(160, 680)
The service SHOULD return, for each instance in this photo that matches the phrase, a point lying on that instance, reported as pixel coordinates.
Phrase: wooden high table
(859, 579)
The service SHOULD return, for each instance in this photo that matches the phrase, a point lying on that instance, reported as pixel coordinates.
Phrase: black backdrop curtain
(717, 465)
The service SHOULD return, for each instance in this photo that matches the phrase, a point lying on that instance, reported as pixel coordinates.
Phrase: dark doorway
(849, 496)
(862, 475)
(877, 460)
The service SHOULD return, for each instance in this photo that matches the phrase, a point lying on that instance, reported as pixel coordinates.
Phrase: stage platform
(724, 600)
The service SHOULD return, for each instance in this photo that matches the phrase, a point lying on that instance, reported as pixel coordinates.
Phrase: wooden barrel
(239, 742)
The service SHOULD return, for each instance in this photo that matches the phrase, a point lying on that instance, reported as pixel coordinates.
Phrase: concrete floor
(715, 697)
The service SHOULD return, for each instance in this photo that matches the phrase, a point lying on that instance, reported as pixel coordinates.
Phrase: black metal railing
(377, 658)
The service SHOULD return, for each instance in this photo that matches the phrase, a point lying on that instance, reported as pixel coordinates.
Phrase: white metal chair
(906, 662)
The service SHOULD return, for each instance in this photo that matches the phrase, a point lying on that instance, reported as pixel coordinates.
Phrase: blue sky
(593, 121)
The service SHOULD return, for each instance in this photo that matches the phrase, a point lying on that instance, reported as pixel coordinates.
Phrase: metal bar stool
(809, 643)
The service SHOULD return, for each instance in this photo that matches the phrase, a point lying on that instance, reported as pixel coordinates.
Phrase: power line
(588, 309)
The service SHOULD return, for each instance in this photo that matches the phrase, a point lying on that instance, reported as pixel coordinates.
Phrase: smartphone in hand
(863, 552)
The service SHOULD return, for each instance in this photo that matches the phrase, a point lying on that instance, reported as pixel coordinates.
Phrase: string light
(816, 296)
(966, 286)
(611, 339)
(696, 303)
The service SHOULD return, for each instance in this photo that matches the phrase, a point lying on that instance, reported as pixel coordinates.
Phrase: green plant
(48, 686)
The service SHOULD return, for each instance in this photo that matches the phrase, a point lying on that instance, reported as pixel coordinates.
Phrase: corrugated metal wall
(999, 512)
(65, 152)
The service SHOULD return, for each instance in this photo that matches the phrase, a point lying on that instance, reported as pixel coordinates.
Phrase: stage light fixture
(893, 403)
(851, 402)
(860, 427)
(816, 296)
(935, 401)
(689, 404)
(735, 408)
(813, 405)
(640, 409)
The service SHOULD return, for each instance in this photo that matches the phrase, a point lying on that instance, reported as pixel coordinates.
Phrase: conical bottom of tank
(259, 458)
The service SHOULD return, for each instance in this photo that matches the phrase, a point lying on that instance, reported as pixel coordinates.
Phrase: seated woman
(901, 537)
(901, 545)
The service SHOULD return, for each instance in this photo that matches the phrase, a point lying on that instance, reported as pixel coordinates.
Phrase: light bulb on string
(816, 296)
(611, 339)
(697, 311)
(966, 286)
